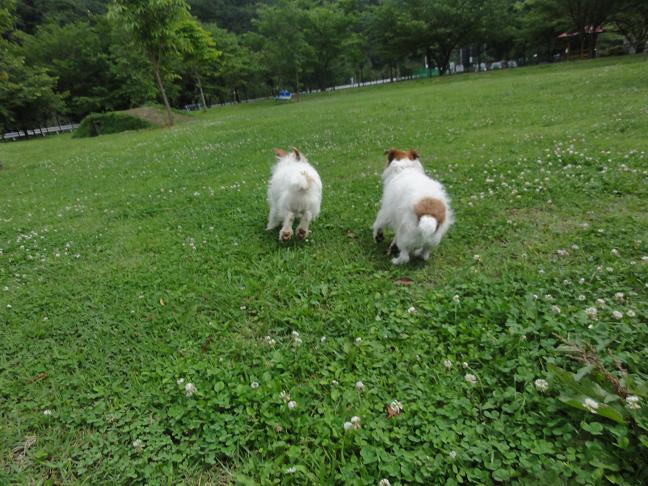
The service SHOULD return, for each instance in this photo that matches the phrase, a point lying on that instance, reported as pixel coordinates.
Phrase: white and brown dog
(415, 206)
(295, 190)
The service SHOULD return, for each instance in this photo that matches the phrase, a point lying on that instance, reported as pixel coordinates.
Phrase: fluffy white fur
(295, 191)
(405, 184)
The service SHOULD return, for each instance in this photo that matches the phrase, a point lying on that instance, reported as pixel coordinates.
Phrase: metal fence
(38, 132)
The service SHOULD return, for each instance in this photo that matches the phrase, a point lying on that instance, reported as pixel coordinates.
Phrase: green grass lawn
(130, 262)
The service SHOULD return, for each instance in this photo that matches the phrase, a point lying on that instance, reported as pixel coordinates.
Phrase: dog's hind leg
(304, 222)
(392, 247)
(378, 225)
(286, 230)
(403, 257)
(273, 220)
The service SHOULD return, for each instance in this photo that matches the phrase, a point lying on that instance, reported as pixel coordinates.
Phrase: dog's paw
(285, 235)
(397, 261)
(301, 233)
(425, 255)
(379, 236)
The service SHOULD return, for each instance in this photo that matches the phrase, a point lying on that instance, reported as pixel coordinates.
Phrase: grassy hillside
(131, 262)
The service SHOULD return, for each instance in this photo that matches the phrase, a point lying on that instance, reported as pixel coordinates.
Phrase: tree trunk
(593, 46)
(156, 67)
(202, 94)
(297, 85)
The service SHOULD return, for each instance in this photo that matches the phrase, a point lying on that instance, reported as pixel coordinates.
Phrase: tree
(199, 51)
(154, 26)
(583, 17)
(326, 29)
(26, 93)
(444, 25)
(285, 50)
(631, 21)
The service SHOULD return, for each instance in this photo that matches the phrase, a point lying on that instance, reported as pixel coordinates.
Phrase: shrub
(103, 123)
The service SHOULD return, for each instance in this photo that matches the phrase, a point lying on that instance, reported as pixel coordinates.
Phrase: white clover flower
(292, 404)
(617, 315)
(591, 312)
(477, 258)
(470, 378)
(614, 252)
(465, 365)
(355, 420)
(180, 381)
(190, 389)
(384, 482)
(581, 280)
(47, 412)
(284, 396)
(535, 296)
(541, 385)
(600, 303)
(297, 342)
(609, 269)
(631, 313)
(323, 339)
(452, 455)
(562, 253)
(254, 385)
(591, 405)
(295, 334)
(575, 247)
(291, 470)
(396, 406)
(456, 299)
(632, 402)
(549, 297)
(447, 363)
(555, 309)
(348, 426)
(411, 310)
(359, 386)
(644, 258)
(581, 297)
(138, 444)
(334, 383)
(358, 340)
(619, 296)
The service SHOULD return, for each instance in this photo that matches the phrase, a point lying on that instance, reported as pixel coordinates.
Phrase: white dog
(415, 206)
(295, 191)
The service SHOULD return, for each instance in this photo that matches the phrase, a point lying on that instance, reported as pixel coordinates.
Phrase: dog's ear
(280, 153)
(413, 154)
(296, 152)
(391, 154)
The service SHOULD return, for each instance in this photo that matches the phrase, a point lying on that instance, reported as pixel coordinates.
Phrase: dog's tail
(301, 181)
(427, 226)
(431, 213)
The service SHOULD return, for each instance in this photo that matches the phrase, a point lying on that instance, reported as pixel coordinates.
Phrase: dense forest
(63, 59)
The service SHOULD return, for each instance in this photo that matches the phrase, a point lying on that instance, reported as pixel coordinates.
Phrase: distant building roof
(589, 29)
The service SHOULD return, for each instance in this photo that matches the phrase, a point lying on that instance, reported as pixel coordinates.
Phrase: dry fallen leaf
(39, 377)
(162, 302)
(392, 412)
(406, 281)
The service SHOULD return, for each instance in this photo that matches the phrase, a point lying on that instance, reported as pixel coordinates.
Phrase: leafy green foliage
(105, 123)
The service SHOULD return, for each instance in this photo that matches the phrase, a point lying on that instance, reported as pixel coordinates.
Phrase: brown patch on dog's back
(396, 154)
(280, 153)
(430, 206)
